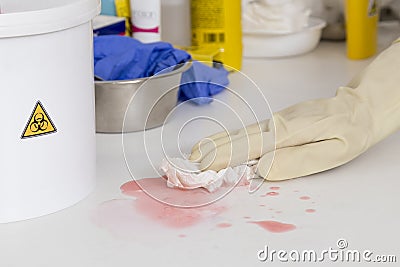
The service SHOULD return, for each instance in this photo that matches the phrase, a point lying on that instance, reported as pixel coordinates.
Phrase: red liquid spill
(305, 198)
(310, 210)
(182, 235)
(157, 188)
(165, 214)
(274, 188)
(275, 227)
(224, 225)
(272, 194)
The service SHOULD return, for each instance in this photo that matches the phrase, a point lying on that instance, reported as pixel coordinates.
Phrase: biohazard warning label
(39, 123)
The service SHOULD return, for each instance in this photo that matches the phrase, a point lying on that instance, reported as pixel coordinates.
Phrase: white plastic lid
(29, 17)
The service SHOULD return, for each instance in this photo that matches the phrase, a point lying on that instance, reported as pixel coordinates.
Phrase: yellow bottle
(361, 28)
(218, 23)
(122, 8)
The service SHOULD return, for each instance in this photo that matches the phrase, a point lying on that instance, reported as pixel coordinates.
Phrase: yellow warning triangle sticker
(39, 123)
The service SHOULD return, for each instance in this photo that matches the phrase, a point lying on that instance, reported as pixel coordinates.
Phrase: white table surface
(357, 201)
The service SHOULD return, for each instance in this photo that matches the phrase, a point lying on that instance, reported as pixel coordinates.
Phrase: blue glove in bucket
(201, 82)
(125, 58)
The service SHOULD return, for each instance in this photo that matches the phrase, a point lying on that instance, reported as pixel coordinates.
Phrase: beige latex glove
(316, 135)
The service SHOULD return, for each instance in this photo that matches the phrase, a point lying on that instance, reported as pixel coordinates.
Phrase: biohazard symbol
(39, 123)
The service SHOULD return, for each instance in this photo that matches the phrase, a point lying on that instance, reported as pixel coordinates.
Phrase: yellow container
(123, 9)
(207, 55)
(218, 22)
(361, 28)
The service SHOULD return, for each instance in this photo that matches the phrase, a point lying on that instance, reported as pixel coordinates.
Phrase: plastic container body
(48, 154)
(175, 22)
(219, 22)
(361, 28)
(259, 44)
(146, 20)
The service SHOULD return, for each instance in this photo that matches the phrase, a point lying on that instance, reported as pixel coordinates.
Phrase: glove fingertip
(195, 156)
(214, 164)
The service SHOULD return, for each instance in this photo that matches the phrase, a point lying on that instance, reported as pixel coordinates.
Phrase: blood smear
(275, 227)
(310, 210)
(165, 214)
(305, 198)
(272, 194)
(224, 225)
(157, 189)
(274, 188)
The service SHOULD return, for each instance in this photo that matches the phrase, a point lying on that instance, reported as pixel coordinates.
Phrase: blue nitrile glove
(123, 58)
(201, 82)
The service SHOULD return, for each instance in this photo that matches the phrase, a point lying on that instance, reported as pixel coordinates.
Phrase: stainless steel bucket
(145, 102)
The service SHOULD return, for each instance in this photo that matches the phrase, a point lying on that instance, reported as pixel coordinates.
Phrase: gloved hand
(316, 135)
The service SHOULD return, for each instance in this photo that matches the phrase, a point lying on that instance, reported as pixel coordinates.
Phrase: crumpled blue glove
(124, 58)
(201, 82)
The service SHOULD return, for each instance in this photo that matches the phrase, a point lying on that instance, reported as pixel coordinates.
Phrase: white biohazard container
(47, 138)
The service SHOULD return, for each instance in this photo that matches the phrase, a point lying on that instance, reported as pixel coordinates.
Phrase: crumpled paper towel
(184, 174)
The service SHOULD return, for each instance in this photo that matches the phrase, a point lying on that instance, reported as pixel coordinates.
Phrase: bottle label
(213, 37)
(208, 14)
(138, 29)
(208, 22)
(145, 16)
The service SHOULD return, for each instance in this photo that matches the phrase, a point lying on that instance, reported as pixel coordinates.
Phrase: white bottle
(146, 19)
(175, 22)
